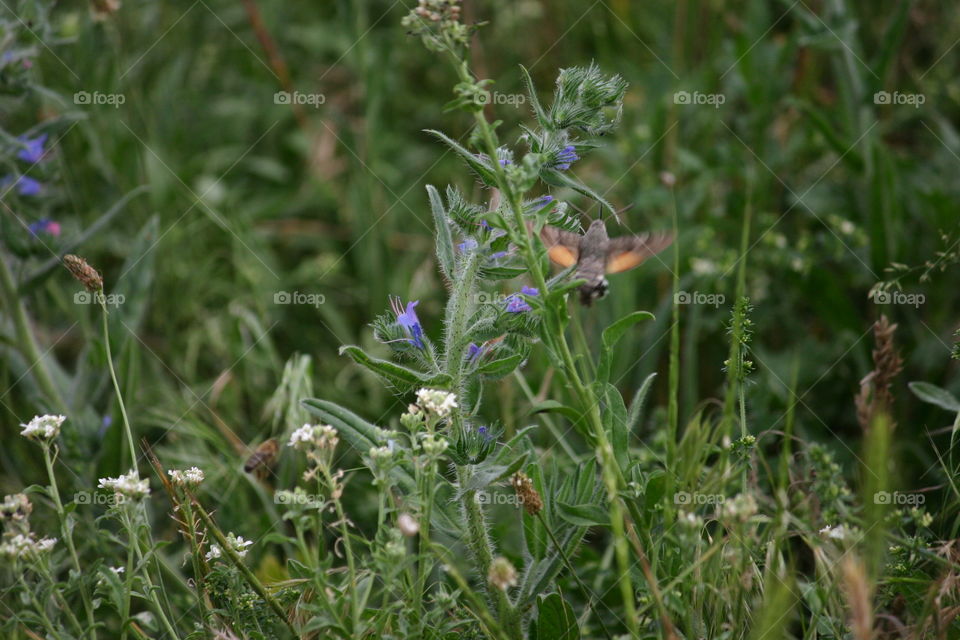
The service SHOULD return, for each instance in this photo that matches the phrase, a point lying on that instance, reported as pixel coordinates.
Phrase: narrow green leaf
(933, 394)
(636, 406)
(499, 368)
(403, 378)
(479, 167)
(444, 237)
(583, 515)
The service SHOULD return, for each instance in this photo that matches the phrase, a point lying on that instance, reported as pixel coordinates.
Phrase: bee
(262, 460)
(596, 254)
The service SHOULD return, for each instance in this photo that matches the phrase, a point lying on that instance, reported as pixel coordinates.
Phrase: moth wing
(563, 247)
(629, 251)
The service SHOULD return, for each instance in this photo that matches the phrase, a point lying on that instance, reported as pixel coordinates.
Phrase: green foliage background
(247, 198)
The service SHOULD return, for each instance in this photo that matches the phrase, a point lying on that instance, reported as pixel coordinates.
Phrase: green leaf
(636, 406)
(560, 179)
(499, 368)
(615, 422)
(403, 378)
(355, 431)
(538, 110)
(444, 237)
(933, 394)
(486, 474)
(555, 619)
(552, 406)
(612, 335)
(479, 167)
(583, 515)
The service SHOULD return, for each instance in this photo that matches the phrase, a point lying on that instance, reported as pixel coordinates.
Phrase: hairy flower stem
(25, 340)
(347, 545)
(554, 326)
(196, 559)
(67, 532)
(457, 316)
(116, 385)
(40, 609)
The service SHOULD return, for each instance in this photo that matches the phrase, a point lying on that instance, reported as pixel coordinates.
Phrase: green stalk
(116, 385)
(347, 546)
(67, 532)
(554, 327)
(27, 344)
(36, 605)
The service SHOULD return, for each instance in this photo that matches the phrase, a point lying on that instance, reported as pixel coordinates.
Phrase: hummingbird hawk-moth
(596, 254)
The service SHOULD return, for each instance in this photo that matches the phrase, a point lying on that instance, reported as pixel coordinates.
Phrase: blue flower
(484, 433)
(498, 255)
(565, 158)
(33, 152)
(467, 245)
(542, 201)
(407, 318)
(474, 351)
(504, 162)
(25, 186)
(516, 304)
(530, 291)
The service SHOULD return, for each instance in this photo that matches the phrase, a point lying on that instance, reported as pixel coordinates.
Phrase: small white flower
(214, 553)
(439, 403)
(44, 428)
(128, 486)
(192, 476)
(117, 570)
(16, 507)
(839, 532)
(23, 546)
(238, 544)
(320, 436)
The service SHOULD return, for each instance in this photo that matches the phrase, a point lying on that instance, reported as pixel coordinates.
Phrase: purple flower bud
(516, 304)
(530, 291)
(565, 158)
(467, 245)
(33, 149)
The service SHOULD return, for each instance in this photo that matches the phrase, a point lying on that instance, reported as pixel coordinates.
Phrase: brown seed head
(526, 493)
(87, 275)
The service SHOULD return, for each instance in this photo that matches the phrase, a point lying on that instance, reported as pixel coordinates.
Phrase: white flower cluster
(191, 477)
(237, 543)
(742, 507)
(24, 546)
(434, 445)
(43, 428)
(16, 507)
(128, 486)
(314, 436)
(437, 402)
